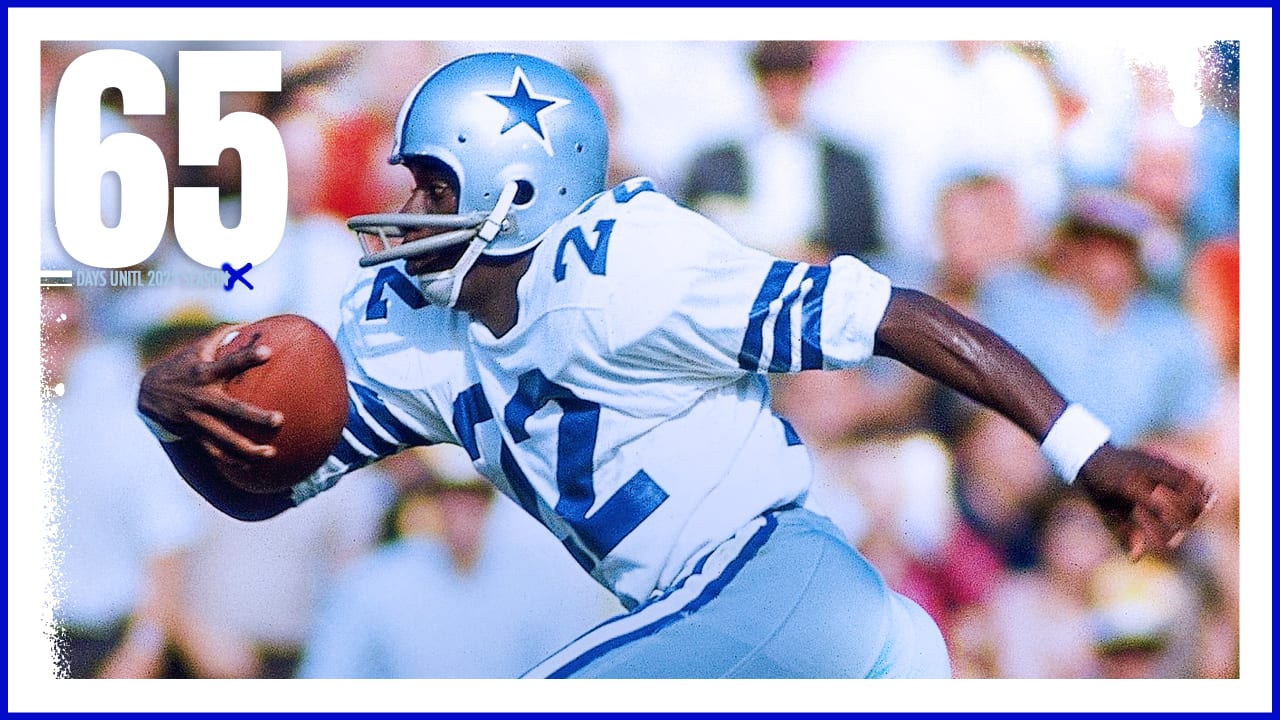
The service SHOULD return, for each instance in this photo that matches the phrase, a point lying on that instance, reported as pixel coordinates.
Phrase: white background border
(31, 686)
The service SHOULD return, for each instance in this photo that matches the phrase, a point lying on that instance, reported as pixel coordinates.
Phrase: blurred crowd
(1046, 189)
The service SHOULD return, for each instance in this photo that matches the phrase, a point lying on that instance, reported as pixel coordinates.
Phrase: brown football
(304, 380)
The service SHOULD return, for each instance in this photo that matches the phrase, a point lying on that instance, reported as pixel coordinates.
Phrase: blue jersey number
(601, 531)
(594, 257)
(575, 452)
(400, 284)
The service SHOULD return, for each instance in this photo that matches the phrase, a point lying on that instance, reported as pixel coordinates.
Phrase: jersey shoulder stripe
(788, 288)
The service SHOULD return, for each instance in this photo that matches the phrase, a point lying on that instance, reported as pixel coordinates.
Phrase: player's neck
(489, 295)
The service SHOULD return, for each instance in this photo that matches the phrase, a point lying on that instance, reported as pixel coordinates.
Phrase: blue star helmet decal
(523, 107)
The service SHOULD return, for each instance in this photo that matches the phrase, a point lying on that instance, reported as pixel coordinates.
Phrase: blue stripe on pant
(786, 597)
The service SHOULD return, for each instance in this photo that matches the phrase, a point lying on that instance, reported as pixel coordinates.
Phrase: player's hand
(1148, 502)
(185, 394)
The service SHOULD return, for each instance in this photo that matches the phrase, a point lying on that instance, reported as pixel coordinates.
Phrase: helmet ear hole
(524, 193)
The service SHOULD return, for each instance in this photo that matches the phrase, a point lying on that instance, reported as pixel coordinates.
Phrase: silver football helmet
(527, 144)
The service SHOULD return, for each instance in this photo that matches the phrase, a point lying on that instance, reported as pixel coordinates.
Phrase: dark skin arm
(183, 393)
(1148, 503)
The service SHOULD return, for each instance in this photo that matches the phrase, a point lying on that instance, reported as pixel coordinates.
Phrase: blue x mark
(233, 275)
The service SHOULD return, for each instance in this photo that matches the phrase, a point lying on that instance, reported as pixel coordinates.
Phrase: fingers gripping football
(185, 393)
(221, 368)
(265, 401)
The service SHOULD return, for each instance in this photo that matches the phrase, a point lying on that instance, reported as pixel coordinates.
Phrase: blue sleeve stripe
(378, 410)
(359, 445)
(753, 343)
(781, 359)
(811, 325)
(348, 455)
(363, 433)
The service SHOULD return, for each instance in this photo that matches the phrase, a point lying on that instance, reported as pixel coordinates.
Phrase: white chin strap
(442, 288)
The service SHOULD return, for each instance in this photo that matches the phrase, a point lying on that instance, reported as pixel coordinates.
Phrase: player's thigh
(804, 605)
(915, 648)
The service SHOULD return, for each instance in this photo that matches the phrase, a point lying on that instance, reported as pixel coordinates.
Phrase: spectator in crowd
(1188, 173)
(1132, 355)
(124, 524)
(1213, 208)
(460, 587)
(250, 591)
(1039, 621)
(1145, 619)
(1082, 610)
(1093, 87)
(1212, 297)
(831, 206)
(1159, 173)
(678, 99)
(982, 229)
(999, 478)
(927, 112)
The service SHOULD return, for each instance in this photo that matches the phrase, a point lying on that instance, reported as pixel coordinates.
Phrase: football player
(602, 354)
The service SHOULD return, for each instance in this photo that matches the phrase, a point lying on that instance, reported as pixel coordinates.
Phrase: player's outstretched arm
(1148, 502)
(182, 398)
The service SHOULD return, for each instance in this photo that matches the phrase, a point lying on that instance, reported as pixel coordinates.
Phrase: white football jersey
(627, 409)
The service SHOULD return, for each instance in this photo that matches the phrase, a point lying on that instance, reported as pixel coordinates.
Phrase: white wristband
(1075, 436)
(159, 430)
